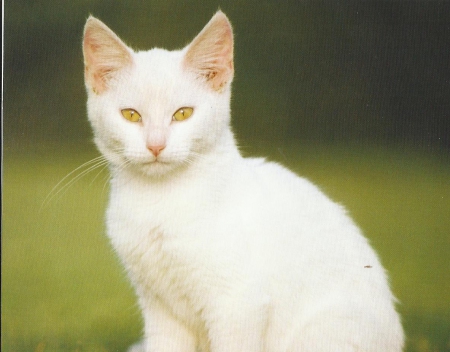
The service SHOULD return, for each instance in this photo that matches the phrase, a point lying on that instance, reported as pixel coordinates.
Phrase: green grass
(61, 282)
(63, 288)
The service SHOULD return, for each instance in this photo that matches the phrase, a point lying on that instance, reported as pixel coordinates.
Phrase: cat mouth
(150, 165)
(154, 161)
(140, 160)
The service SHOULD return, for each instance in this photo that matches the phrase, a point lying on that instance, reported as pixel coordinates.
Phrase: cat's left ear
(104, 55)
(210, 54)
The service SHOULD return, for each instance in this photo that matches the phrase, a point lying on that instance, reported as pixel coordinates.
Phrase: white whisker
(98, 173)
(66, 182)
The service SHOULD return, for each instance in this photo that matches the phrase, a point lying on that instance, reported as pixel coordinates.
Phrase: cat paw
(137, 347)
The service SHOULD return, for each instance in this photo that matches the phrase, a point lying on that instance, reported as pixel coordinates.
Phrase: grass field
(63, 288)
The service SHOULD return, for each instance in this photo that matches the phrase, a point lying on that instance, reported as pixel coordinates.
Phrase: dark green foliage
(331, 72)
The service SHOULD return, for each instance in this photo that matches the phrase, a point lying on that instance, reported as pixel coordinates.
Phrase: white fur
(227, 253)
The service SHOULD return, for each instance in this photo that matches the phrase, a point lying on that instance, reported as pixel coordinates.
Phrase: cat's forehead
(157, 79)
(158, 64)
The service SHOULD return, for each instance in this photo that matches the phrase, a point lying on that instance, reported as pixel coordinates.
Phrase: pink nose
(156, 149)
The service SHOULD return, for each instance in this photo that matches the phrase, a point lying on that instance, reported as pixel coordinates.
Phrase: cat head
(156, 111)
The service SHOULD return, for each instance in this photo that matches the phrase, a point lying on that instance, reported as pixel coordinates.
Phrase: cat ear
(104, 55)
(210, 54)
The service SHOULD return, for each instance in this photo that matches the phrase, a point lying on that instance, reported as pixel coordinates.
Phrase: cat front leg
(163, 332)
(240, 324)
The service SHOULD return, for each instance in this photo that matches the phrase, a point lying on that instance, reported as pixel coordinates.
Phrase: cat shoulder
(286, 185)
(274, 171)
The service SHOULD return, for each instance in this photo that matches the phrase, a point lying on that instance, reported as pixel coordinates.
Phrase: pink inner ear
(95, 75)
(104, 55)
(210, 55)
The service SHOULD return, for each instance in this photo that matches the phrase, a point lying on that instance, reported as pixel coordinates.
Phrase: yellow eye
(131, 115)
(182, 114)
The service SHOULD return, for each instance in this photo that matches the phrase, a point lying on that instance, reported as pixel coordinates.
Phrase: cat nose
(156, 149)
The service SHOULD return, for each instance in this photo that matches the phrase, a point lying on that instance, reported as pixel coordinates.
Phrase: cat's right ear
(104, 55)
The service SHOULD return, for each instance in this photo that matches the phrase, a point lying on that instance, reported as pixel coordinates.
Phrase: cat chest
(161, 266)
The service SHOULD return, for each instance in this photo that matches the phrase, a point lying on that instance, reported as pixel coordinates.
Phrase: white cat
(225, 253)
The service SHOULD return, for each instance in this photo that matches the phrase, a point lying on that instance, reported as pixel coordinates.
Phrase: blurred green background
(353, 95)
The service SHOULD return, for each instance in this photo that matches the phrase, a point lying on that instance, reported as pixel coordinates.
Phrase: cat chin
(156, 169)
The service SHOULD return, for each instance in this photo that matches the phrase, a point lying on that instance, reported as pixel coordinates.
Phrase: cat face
(158, 111)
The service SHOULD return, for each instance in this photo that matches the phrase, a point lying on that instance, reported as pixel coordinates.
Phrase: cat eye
(182, 114)
(131, 115)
